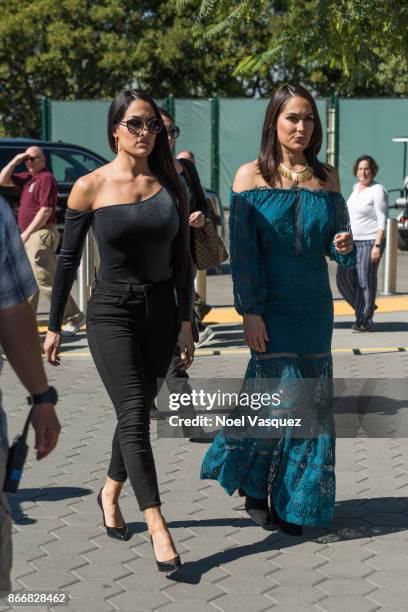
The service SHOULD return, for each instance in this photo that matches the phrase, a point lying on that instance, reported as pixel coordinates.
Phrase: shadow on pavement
(354, 519)
(382, 326)
(41, 494)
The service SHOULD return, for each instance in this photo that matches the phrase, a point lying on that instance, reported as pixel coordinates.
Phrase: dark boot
(257, 509)
(289, 528)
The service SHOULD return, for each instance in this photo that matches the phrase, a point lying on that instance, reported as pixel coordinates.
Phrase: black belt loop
(125, 290)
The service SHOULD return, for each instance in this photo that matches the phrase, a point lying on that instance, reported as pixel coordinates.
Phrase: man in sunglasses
(37, 224)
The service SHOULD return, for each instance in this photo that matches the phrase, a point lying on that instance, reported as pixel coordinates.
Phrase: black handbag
(16, 459)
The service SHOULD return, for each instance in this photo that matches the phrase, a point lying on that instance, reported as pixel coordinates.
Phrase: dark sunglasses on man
(33, 158)
(136, 125)
(173, 131)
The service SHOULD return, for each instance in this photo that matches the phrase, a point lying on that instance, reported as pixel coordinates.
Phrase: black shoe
(166, 566)
(289, 528)
(118, 533)
(357, 327)
(257, 509)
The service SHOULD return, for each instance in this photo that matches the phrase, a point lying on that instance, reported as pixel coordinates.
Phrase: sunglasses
(174, 131)
(33, 158)
(136, 126)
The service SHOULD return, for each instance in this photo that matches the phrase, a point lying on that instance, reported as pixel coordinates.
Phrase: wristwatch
(378, 246)
(46, 397)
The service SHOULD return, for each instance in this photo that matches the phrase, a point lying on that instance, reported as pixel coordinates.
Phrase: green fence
(224, 133)
(367, 126)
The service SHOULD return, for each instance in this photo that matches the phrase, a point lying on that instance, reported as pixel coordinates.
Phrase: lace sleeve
(341, 223)
(247, 268)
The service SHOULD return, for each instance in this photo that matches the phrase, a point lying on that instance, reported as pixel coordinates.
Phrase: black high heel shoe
(118, 533)
(166, 566)
(289, 528)
(257, 509)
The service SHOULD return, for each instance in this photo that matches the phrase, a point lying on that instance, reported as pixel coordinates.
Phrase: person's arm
(380, 198)
(19, 338)
(39, 221)
(341, 248)
(184, 284)
(201, 203)
(78, 218)
(247, 265)
(7, 172)
(18, 330)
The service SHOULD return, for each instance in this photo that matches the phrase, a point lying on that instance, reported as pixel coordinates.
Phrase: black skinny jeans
(132, 331)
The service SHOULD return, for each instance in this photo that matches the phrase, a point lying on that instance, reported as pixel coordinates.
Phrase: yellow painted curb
(396, 303)
(223, 316)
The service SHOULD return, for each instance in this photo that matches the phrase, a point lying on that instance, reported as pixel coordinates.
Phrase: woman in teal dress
(287, 214)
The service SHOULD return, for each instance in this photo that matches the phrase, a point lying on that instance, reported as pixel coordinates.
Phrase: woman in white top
(368, 207)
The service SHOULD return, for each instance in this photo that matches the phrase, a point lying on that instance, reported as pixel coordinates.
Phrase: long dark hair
(165, 112)
(161, 162)
(269, 154)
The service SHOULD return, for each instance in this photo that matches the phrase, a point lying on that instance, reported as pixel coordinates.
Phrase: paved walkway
(229, 562)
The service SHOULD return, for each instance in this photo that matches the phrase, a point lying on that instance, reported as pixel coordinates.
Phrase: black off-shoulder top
(139, 243)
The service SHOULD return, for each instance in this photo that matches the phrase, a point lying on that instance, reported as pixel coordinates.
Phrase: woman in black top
(177, 377)
(137, 207)
(198, 205)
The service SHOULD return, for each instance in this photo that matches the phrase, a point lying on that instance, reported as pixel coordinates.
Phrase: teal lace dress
(279, 242)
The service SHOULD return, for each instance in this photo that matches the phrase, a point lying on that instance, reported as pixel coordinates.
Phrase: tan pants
(5, 529)
(40, 248)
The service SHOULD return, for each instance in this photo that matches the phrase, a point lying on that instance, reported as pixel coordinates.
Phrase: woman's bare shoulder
(247, 177)
(86, 188)
(332, 182)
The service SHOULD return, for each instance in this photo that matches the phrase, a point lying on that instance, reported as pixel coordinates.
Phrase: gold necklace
(298, 176)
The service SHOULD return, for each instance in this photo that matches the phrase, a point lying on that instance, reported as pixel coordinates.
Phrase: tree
(63, 50)
(356, 47)
(91, 49)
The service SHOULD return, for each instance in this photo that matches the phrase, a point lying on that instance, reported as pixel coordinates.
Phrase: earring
(117, 144)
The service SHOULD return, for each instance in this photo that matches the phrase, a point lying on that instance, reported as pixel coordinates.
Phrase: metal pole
(85, 273)
(333, 131)
(390, 258)
(331, 134)
(215, 144)
(45, 119)
(171, 107)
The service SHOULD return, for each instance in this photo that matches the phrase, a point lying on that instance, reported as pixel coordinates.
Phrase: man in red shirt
(36, 220)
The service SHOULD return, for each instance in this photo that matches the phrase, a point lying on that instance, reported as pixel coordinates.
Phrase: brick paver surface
(229, 562)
